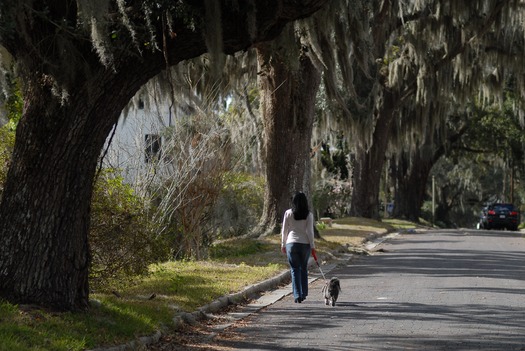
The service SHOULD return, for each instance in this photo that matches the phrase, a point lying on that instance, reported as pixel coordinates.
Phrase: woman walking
(297, 241)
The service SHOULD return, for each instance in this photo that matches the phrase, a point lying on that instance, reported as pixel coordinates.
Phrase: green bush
(320, 226)
(331, 197)
(239, 206)
(7, 141)
(13, 107)
(121, 238)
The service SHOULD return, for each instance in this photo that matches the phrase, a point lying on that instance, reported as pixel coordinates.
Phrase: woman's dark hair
(300, 206)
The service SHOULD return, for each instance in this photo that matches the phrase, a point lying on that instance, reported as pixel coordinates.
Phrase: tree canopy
(413, 64)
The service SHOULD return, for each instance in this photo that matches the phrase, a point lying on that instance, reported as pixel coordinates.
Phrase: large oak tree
(80, 62)
(288, 82)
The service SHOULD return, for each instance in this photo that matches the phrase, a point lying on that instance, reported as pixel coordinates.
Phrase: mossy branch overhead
(58, 37)
(427, 52)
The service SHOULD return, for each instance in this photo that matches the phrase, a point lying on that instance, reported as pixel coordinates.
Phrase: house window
(153, 145)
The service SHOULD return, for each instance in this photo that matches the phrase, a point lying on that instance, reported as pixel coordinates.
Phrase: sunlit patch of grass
(363, 223)
(251, 252)
(237, 248)
(343, 237)
(188, 285)
(353, 231)
(403, 224)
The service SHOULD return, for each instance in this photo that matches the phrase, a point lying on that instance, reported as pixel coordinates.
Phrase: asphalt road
(437, 290)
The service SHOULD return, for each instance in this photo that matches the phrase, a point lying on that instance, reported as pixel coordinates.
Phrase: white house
(137, 140)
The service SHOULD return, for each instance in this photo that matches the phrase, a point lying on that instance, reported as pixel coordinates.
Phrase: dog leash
(320, 270)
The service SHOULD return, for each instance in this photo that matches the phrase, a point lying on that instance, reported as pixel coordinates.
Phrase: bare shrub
(195, 157)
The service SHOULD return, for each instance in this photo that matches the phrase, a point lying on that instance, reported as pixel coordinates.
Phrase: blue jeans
(298, 255)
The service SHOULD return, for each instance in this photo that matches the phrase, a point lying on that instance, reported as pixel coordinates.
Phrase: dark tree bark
(368, 164)
(288, 102)
(411, 184)
(45, 208)
(411, 174)
(447, 202)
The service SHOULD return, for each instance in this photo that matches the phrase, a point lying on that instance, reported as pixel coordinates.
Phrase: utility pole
(433, 199)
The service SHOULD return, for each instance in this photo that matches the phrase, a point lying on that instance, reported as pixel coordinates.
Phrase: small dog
(331, 291)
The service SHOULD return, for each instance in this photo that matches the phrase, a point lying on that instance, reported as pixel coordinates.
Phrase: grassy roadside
(150, 302)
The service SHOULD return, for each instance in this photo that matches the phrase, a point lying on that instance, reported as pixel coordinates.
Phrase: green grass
(353, 231)
(253, 252)
(178, 286)
(35, 329)
(26, 329)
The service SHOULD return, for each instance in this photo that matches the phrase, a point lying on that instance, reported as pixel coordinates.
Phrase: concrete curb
(134, 344)
(248, 293)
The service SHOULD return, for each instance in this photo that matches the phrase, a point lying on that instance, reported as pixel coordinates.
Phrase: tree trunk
(446, 203)
(411, 184)
(44, 257)
(412, 174)
(45, 208)
(288, 102)
(369, 163)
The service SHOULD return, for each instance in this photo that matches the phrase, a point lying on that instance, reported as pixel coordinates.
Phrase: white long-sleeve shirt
(301, 231)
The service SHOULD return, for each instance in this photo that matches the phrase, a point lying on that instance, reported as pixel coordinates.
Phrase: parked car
(499, 216)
